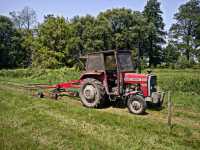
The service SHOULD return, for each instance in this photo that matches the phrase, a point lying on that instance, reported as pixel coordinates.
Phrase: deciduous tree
(51, 42)
(26, 18)
(185, 31)
(11, 53)
(156, 37)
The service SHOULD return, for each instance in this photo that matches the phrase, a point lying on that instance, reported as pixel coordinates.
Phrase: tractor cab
(109, 64)
(109, 61)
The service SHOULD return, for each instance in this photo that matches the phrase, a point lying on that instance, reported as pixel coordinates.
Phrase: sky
(68, 8)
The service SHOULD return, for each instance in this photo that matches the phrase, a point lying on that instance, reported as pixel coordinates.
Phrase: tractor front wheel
(92, 93)
(136, 104)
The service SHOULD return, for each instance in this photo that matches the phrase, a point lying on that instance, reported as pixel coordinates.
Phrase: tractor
(110, 76)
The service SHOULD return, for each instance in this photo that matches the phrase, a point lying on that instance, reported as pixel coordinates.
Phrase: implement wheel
(136, 104)
(40, 94)
(54, 96)
(92, 93)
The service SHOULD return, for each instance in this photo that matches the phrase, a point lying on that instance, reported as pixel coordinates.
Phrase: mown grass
(32, 123)
(27, 122)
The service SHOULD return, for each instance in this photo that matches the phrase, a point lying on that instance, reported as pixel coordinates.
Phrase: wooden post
(169, 118)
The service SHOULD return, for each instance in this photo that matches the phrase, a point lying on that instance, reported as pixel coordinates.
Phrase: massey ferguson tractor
(110, 76)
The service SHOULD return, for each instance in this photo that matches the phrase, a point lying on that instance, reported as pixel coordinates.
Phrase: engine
(146, 84)
(137, 82)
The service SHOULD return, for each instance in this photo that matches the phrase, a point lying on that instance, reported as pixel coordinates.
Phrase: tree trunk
(150, 52)
(139, 58)
(188, 49)
(188, 54)
(188, 41)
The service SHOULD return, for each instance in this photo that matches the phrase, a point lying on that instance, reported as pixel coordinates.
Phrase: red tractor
(110, 76)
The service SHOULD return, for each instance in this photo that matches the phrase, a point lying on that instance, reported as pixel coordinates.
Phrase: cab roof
(105, 52)
(110, 51)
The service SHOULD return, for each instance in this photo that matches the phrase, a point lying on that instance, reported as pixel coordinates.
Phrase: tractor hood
(135, 78)
(147, 82)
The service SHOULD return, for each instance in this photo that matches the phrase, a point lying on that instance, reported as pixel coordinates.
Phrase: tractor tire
(92, 93)
(136, 105)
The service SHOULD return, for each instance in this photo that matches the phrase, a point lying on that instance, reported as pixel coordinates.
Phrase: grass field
(27, 122)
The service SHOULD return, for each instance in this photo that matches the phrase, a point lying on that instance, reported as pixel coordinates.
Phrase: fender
(96, 75)
(101, 76)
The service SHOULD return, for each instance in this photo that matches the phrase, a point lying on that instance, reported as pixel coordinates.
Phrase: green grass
(187, 80)
(26, 76)
(28, 122)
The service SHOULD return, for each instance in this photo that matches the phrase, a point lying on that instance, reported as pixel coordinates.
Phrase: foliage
(183, 63)
(113, 29)
(24, 19)
(11, 52)
(156, 36)
(50, 43)
(170, 54)
(185, 31)
(58, 42)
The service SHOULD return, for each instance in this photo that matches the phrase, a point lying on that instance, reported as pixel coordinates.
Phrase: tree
(185, 31)
(11, 52)
(114, 29)
(197, 41)
(50, 45)
(27, 45)
(24, 19)
(57, 42)
(6, 31)
(128, 28)
(119, 20)
(139, 34)
(83, 29)
(171, 54)
(156, 37)
(102, 34)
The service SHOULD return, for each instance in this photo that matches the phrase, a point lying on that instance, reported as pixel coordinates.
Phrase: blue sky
(69, 9)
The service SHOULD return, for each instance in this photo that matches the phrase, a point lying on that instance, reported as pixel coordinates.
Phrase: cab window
(110, 62)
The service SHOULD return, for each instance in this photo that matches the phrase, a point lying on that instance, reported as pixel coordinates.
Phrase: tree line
(58, 41)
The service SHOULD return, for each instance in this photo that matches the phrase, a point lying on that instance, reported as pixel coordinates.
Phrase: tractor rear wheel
(136, 104)
(92, 93)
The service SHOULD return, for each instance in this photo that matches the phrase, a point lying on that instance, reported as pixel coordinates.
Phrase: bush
(182, 63)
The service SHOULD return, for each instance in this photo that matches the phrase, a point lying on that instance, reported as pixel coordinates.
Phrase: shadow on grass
(120, 105)
(154, 107)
